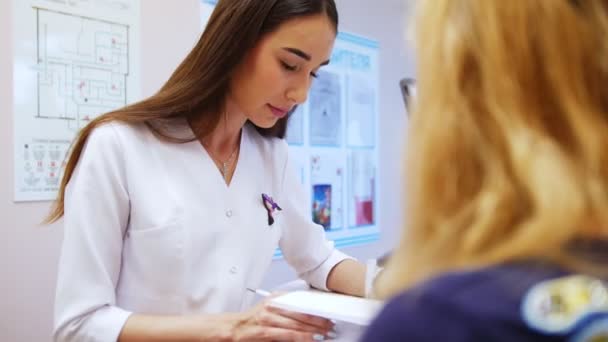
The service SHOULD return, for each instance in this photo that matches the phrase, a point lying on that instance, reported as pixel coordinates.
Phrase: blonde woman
(508, 177)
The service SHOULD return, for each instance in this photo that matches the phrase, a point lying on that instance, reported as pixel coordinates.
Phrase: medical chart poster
(339, 125)
(73, 60)
(325, 109)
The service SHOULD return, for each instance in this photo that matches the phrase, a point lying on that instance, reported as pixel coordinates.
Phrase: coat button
(229, 213)
(233, 269)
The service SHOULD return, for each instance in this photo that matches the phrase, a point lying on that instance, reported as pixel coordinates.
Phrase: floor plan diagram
(83, 65)
(73, 61)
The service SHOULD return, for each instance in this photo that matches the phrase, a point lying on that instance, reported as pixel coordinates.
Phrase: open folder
(334, 306)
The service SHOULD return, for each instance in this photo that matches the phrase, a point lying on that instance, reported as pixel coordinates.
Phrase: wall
(29, 252)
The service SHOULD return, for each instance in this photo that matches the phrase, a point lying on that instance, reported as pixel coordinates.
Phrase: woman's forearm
(150, 328)
(348, 277)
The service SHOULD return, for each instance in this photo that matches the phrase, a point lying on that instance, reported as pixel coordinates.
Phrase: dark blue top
(481, 305)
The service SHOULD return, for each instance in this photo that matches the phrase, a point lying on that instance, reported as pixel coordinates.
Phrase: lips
(278, 112)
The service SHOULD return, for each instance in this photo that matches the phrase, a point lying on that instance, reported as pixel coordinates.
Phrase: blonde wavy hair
(508, 149)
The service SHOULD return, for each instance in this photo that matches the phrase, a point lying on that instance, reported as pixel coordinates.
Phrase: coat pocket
(154, 260)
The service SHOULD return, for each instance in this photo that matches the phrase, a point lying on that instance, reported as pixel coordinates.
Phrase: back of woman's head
(508, 149)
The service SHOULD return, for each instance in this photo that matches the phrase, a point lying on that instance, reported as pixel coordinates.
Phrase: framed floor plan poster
(73, 60)
(333, 144)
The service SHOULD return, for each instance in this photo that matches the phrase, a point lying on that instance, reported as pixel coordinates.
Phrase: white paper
(334, 306)
(73, 61)
(347, 332)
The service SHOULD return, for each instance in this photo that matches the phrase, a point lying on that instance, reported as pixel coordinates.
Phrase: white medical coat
(151, 227)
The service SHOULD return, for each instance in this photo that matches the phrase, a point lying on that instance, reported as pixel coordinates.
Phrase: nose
(298, 91)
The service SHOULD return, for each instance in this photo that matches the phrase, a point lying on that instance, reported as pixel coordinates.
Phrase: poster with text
(325, 108)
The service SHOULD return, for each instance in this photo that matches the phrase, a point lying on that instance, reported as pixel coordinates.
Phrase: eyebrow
(302, 54)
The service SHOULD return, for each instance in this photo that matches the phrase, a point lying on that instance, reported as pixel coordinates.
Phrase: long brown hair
(508, 150)
(197, 89)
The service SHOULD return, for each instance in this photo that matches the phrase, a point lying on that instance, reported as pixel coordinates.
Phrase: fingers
(272, 319)
(262, 333)
(314, 322)
(268, 323)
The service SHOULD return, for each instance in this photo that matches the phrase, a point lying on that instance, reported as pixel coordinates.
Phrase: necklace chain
(225, 165)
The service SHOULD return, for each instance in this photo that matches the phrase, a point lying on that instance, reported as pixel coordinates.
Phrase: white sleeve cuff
(111, 321)
(317, 277)
(104, 325)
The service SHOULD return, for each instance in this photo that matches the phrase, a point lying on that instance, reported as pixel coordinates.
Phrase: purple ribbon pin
(270, 206)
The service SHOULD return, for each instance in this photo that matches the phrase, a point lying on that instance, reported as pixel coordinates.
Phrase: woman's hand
(261, 323)
(266, 323)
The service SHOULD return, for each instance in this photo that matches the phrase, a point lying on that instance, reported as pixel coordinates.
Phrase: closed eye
(289, 67)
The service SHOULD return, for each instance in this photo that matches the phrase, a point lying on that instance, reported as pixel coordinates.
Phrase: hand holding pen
(260, 292)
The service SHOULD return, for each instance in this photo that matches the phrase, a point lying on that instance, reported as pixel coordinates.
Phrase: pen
(259, 292)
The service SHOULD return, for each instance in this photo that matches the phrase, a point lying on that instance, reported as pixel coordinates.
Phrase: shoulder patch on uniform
(595, 331)
(557, 305)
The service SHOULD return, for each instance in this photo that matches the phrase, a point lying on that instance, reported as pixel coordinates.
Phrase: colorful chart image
(364, 211)
(327, 169)
(321, 205)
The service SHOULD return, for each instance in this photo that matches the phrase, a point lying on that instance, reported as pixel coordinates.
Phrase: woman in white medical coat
(173, 206)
